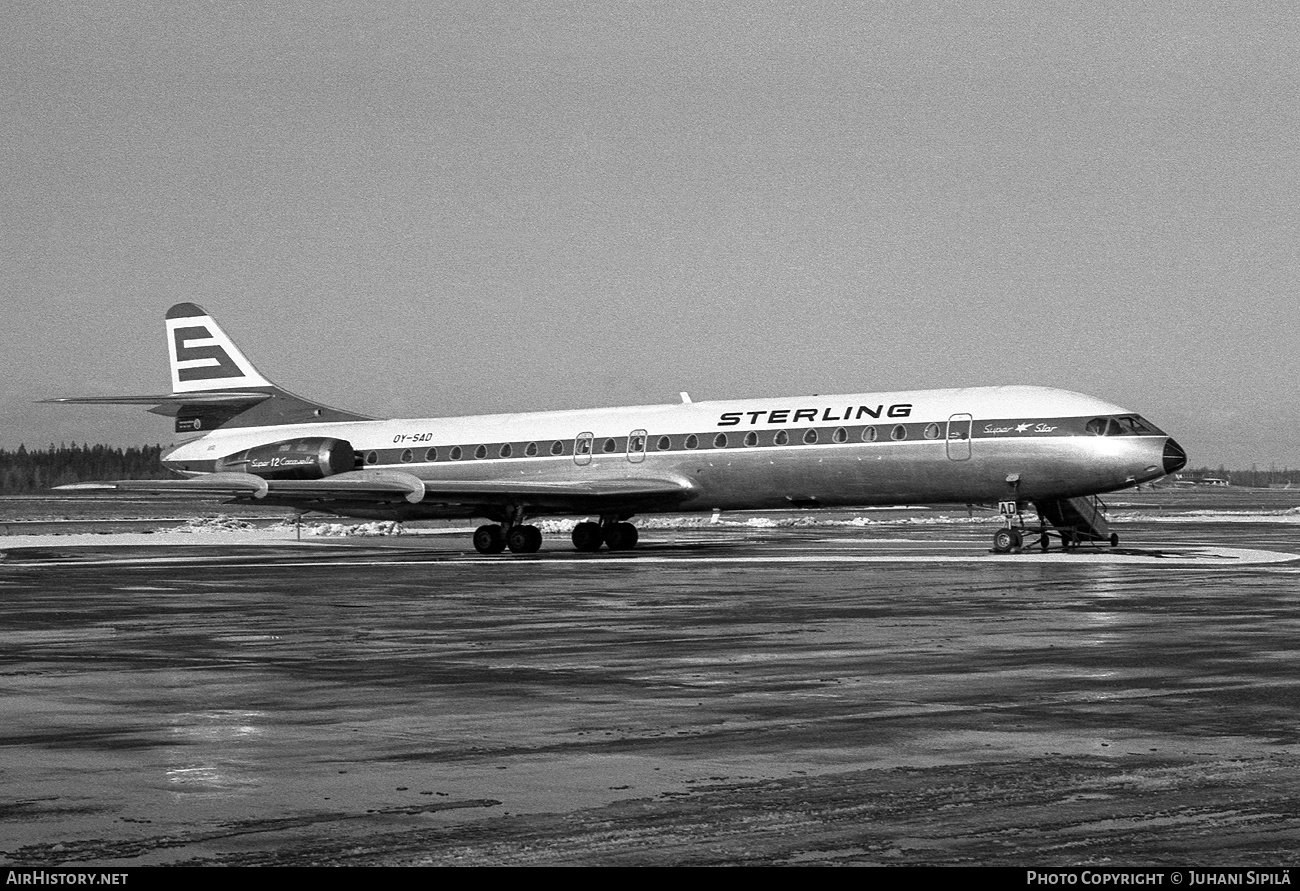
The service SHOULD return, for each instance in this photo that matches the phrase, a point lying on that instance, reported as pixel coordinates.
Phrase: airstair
(1077, 520)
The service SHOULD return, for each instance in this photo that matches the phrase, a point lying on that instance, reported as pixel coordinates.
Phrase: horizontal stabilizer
(226, 397)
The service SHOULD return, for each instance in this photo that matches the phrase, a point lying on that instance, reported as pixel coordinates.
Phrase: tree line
(23, 472)
(1252, 478)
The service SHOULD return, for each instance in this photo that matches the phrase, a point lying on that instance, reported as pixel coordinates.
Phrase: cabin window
(899, 433)
(868, 434)
(506, 451)
(840, 435)
(372, 457)
(530, 450)
(720, 441)
(431, 454)
(480, 452)
(931, 431)
(557, 448)
(455, 453)
(664, 444)
(636, 443)
(810, 435)
(608, 445)
(751, 438)
(285, 446)
(692, 441)
(781, 438)
(407, 456)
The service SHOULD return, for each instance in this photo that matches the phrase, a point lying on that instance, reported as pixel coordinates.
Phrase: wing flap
(612, 488)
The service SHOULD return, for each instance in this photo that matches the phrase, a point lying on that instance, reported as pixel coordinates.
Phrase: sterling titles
(814, 415)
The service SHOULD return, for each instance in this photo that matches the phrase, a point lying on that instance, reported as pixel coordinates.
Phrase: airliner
(250, 441)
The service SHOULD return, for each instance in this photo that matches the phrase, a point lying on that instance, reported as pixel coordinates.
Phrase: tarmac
(846, 694)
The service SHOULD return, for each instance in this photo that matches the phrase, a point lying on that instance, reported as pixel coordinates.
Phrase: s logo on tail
(203, 357)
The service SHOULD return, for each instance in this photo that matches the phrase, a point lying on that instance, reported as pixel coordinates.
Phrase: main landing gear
(523, 539)
(515, 535)
(614, 535)
(491, 539)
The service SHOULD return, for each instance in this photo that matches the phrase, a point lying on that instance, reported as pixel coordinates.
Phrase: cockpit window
(1104, 427)
(1129, 425)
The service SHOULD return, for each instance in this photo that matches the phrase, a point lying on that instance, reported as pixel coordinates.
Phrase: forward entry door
(959, 437)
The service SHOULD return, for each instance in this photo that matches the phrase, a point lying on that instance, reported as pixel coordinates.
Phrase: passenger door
(959, 437)
(582, 449)
(636, 446)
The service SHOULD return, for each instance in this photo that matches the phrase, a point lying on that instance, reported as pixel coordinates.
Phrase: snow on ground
(226, 530)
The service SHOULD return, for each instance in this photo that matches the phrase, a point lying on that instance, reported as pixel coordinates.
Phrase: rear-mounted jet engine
(293, 459)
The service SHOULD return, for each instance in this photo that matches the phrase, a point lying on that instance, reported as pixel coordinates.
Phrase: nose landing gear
(1074, 520)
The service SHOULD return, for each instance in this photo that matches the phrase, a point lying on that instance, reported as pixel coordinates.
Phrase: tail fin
(202, 356)
(214, 385)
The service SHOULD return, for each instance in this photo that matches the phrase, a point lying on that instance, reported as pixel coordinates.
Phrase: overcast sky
(453, 208)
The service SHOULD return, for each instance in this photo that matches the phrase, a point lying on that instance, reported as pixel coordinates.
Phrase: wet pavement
(871, 694)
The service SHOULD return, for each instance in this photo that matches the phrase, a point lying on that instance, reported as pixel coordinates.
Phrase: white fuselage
(979, 444)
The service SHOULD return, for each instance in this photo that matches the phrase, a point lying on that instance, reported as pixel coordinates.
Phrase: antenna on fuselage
(686, 397)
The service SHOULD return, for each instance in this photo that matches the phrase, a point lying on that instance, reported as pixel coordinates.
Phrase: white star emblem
(1021, 428)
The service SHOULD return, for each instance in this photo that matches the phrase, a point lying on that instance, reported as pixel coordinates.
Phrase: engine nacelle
(293, 459)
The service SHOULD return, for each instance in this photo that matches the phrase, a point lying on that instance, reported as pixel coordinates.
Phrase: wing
(377, 487)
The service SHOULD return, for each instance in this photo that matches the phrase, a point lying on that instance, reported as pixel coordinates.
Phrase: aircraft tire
(489, 540)
(524, 540)
(588, 537)
(1114, 539)
(1044, 541)
(1004, 540)
(621, 537)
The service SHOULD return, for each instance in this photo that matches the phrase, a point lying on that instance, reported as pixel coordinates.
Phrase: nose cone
(1175, 457)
